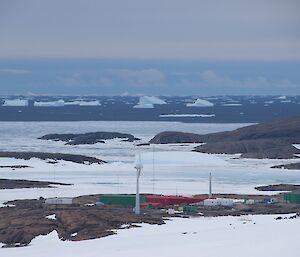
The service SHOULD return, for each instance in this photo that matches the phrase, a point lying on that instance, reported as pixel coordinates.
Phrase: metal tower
(210, 194)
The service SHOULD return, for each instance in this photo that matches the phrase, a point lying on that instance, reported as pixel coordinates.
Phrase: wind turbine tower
(138, 166)
(210, 193)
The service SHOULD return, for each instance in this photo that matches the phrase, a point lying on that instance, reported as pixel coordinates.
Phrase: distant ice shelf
(187, 115)
(61, 103)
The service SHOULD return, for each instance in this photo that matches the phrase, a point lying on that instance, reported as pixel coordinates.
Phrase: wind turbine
(138, 166)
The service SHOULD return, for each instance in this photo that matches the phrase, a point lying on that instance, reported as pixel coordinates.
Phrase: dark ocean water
(226, 109)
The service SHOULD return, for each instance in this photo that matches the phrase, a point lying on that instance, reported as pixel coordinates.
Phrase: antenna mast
(210, 194)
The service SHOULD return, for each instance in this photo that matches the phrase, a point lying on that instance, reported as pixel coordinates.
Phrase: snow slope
(246, 236)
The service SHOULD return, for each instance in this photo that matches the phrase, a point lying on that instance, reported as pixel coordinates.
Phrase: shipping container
(190, 209)
(162, 200)
(218, 202)
(59, 200)
(126, 200)
(292, 198)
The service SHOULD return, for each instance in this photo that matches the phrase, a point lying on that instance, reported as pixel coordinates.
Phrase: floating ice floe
(84, 103)
(148, 102)
(286, 101)
(200, 103)
(16, 102)
(59, 103)
(283, 97)
(231, 104)
(187, 115)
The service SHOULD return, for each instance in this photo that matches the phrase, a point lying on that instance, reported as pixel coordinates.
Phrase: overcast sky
(136, 34)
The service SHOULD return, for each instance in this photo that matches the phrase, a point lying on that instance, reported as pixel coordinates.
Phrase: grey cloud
(140, 78)
(211, 79)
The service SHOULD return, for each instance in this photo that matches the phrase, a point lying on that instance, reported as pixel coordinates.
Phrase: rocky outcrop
(279, 187)
(88, 138)
(21, 183)
(53, 156)
(173, 137)
(28, 219)
(287, 130)
(258, 149)
(290, 166)
(271, 140)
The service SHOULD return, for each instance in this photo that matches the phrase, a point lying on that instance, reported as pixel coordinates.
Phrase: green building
(292, 198)
(125, 200)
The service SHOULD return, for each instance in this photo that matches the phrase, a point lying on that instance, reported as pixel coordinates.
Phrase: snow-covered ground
(168, 169)
(246, 236)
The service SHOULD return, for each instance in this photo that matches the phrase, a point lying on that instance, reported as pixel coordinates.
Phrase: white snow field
(246, 236)
(200, 103)
(168, 169)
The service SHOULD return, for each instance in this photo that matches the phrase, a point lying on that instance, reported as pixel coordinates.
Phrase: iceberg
(200, 103)
(59, 103)
(146, 106)
(148, 102)
(283, 97)
(231, 104)
(15, 102)
(84, 103)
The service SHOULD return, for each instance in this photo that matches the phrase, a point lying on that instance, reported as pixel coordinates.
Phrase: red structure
(158, 200)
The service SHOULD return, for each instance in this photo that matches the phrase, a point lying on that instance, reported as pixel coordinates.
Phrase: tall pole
(137, 195)
(153, 173)
(138, 166)
(210, 194)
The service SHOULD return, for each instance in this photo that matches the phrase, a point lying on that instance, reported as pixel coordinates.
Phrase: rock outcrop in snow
(271, 140)
(52, 156)
(170, 137)
(88, 138)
